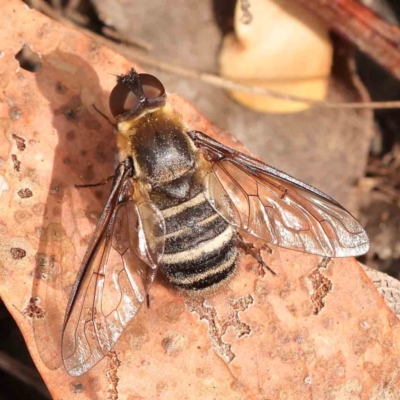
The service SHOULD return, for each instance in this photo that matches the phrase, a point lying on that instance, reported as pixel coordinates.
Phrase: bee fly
(178, 203)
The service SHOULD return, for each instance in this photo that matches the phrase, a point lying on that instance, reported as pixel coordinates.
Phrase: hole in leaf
(28, 59)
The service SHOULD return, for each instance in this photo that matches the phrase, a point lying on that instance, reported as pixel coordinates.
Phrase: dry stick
(137, 42)
(75, 16)
(56, 4)
(228, 84)
(362, 27)
(211, 79)
(23, 373)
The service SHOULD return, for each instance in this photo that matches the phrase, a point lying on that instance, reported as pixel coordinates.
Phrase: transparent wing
(48, 298)
(149, 240)
(276, 207)
(114, 280)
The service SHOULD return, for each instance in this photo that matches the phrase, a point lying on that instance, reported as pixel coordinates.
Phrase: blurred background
(352, 154)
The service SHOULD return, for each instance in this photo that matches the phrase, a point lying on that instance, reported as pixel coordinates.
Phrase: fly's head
(136, 95)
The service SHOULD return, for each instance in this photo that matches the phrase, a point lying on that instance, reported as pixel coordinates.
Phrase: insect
(178, 203)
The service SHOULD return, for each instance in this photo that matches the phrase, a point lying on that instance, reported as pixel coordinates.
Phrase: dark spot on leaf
(28, 59)
(39, 209)
(15, 113)
(32, 174)
(88, 174)
(25, 193)
(57, 211)
(60, 88)
(3, 227)
(93, 48)
(93, 124)
(99, 194)
(71, 135)
(72, 110)
(166, 343)
(44, 30)
(57, 190)
(171, 311)
(321, 287)
(20, 142)
(100, 152)
(70, 114)
(17, 164)
(54, 233)
(33, 309)
(42, 260)
(173, 343)
(17, 253)
(21, 216)
(77, 387)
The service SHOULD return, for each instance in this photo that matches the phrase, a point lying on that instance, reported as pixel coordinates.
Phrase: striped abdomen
(200, 251)
(200, 247)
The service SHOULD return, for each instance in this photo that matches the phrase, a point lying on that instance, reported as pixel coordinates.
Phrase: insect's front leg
(253, 251)
(127, 165)
(104, 116)
(101, 183)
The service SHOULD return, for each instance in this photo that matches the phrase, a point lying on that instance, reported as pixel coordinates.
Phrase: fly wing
(276, 207)
(113, 281)
(149, 239)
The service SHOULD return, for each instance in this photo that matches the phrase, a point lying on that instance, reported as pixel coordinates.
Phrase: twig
(205, 77)
(363, 28)
(75, 16)
(228, 84)
(56, 4)
(389, 190)
(23, 373)
(112, 34)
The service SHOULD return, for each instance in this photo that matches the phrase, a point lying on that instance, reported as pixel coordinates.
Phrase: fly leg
(127, 163)
(250, 249)
(150, 275)
(103, 115)
(101, 183)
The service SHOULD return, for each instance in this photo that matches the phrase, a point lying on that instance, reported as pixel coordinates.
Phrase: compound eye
(152, 87)
(121, 100)
(131, 91)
